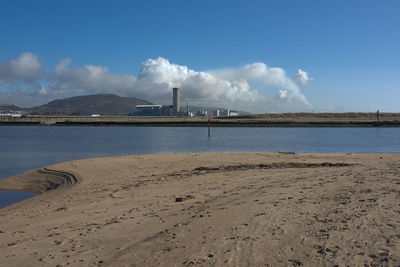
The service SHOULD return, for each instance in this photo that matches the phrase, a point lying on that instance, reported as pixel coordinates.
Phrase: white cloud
(194, 84)
(302, 77)
(230, 88)
(282, 94)
(270, 76)
(259, 72)
(88, 79)
(27, 67)
(62, 66)
(42, 91)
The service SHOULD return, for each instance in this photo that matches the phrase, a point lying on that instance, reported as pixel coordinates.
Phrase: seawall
(267, 120)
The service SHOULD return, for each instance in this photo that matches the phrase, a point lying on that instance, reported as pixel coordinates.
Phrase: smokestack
(175, 101)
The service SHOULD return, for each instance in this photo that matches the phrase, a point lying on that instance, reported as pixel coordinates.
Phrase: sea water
(28, 148)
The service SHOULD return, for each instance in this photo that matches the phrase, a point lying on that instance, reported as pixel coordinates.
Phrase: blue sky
(349, 48)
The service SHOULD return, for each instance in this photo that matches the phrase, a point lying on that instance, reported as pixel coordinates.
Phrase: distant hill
(104, 104)
(9, 107)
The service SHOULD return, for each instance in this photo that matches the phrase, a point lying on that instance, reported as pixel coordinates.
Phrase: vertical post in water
(377, 117)
(209, 128)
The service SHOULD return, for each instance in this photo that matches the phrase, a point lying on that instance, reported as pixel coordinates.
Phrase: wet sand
(236, 209)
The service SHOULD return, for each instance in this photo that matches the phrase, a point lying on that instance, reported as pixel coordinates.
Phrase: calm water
(28, 148)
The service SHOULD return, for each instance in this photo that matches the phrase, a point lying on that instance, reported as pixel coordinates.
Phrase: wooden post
(377, 116)
(209, 127)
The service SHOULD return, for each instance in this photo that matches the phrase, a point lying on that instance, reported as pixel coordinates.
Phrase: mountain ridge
(104, 104)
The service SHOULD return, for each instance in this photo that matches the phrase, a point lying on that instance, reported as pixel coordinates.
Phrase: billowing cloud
(302, 77)
(259, 72)
(62, 66)
(269, 76)
(42, 91)
(282, 94)
(231, 88)
(27, 68)
(88, 78)
(194, 84)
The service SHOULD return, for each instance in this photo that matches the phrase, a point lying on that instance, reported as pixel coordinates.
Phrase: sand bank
(244, 209)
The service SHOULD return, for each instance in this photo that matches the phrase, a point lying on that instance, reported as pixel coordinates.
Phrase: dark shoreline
(205, 124)
(260, 120)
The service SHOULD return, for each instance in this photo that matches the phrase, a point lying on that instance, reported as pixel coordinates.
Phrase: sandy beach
(233, 209)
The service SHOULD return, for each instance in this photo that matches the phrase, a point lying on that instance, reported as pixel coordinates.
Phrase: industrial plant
(100, 105)
(160, 110)
(175, 110)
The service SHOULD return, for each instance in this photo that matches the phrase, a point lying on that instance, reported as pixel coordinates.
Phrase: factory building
(160, 110)
(233, 113)
(167, 110)
(148, 110)
(174, 109)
